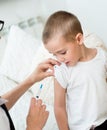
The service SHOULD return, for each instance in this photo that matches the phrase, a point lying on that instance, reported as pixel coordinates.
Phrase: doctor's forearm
(13, 95)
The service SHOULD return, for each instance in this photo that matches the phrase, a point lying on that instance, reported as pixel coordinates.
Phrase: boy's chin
(70, 64)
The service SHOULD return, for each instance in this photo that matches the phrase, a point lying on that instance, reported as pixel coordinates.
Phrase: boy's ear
(79, 38)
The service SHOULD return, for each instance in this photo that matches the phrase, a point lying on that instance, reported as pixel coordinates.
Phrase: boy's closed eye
(59, 53)
(62, 53)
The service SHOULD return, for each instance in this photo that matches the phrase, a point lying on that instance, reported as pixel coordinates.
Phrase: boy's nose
(62, 59)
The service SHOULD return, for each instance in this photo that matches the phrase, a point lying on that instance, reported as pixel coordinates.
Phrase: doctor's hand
(41, 70)
(37, 115)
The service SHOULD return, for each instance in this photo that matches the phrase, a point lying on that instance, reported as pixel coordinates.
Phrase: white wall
(92, 13)
(12, 11)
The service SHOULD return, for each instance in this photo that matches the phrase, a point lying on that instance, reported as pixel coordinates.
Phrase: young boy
(80, 86)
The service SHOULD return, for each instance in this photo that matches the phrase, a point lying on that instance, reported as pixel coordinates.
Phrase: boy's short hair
(64, 23)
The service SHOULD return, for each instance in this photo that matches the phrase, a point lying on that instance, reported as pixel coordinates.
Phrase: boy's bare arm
(60, 106)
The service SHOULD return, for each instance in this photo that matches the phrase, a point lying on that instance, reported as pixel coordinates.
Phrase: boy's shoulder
(63, 66)
(63, 69)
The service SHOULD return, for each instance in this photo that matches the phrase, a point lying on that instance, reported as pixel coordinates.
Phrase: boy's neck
(87, 53)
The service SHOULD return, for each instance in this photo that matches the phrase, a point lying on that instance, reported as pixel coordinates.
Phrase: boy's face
(66, 52)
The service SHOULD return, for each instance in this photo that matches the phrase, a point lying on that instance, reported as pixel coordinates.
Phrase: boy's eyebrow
(58, 51)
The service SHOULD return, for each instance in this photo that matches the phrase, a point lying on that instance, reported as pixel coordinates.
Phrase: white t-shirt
(86, 91)
(4, 122)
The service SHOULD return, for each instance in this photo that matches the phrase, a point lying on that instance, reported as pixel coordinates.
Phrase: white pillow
(93, 40)
(2, 47)
(47, 93)
(20, 50)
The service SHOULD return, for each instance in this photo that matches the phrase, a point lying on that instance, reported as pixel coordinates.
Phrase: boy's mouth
(67, 63)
